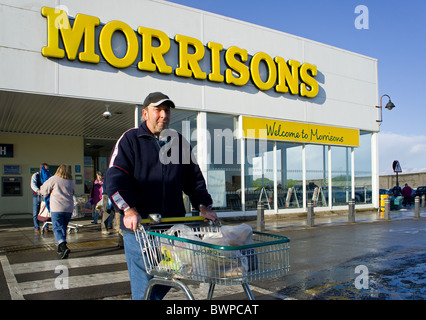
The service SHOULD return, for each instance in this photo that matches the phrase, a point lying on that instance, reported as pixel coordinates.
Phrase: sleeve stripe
(114, 154)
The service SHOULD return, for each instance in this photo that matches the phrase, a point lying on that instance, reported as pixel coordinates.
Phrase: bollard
(310, 215)
(417, 207)
(423, 200)
(351, 211)
(387, 209)
(260, 216)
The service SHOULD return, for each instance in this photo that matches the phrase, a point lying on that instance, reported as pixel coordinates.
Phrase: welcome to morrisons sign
(284, 76)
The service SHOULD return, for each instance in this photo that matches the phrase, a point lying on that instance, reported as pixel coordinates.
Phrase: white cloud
(409, 150)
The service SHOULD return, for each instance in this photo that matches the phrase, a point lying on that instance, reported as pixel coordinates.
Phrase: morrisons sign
(289, 76)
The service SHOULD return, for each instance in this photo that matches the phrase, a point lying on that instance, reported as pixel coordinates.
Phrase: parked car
(413, 195)
(396, 191)
(420, 191)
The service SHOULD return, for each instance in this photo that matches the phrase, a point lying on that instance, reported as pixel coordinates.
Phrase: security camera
(107, 114)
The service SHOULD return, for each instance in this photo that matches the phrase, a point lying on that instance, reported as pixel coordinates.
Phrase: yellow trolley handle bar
(175, 219)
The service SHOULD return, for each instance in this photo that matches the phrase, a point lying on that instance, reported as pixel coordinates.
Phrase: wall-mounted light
(388, 106)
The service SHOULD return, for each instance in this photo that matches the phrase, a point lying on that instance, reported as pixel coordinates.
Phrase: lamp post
(388, 106)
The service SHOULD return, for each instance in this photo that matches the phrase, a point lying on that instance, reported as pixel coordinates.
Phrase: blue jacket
(44, 176)
(137, 178)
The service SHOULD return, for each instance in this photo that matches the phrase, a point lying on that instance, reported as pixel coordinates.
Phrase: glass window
(289, 175)
(363, 174)
(224, 165)
(341, 175)
(185, 122)
(316, 175)
(259, 173)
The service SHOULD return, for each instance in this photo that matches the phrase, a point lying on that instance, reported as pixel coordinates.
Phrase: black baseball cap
(157, 98)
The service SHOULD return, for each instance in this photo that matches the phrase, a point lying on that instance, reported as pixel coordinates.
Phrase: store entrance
(96, 158)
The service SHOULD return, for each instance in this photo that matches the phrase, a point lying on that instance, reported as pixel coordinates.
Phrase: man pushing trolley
(150, 168)
(140, 182)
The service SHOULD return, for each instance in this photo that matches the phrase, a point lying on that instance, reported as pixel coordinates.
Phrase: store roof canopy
(52, 115)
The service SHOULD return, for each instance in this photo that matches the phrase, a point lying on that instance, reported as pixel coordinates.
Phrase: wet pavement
(371, 259)
(331, 262)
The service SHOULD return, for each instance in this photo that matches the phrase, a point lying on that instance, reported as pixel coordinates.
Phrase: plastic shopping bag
(232, 263)
(44, 213)
(238, 235)
(181, 257)
(241, 235)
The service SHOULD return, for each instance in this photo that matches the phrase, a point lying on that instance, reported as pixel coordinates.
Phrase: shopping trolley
(77, 213)
(175, 258)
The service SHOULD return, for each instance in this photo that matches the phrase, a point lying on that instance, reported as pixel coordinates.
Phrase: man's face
(157, 118)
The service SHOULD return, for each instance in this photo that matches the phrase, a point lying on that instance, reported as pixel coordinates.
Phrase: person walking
(107, 213)
(37, 179)
(97, 196)
(61, 189)
(140, 182)
(407, 194)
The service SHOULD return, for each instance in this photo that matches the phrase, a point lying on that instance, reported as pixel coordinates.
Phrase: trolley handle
(156, 218)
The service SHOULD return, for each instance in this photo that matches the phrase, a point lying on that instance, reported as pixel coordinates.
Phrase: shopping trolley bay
(213, 309)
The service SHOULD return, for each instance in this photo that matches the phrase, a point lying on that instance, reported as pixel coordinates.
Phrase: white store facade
(271, 116)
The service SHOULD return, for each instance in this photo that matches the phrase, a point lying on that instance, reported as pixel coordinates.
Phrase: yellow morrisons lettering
(284, 76)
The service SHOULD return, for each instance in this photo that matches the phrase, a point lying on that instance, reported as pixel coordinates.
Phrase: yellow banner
(299, 132)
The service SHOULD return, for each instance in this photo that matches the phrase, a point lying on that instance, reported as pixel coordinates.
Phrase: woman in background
(97, 196)
(61, 189)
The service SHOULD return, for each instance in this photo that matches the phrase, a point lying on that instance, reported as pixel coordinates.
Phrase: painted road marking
(19, 290)
(12, 284)
(47, 285)
(39, 266)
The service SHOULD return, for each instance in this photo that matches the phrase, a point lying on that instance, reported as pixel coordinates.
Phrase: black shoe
(63, 250)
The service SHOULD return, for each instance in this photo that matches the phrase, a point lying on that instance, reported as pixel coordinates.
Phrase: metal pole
(138, 115)
(387, 209)
(417, 207)
(351, 214)
(260, 216)
(423, 200)
(310, 215)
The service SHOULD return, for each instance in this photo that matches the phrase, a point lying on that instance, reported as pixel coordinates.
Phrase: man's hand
(131, 219)
(208, 213)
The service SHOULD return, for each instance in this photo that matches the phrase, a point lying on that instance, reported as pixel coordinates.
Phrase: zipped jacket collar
(144, 131)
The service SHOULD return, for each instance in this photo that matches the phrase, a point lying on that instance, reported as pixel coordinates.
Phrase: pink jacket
(97, 192)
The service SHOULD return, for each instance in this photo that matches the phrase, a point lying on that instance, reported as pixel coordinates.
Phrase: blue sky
(396, 36)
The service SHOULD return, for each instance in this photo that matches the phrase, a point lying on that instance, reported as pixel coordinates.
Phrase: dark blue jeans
(36, 208)
(60, 222)
(138, 276)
